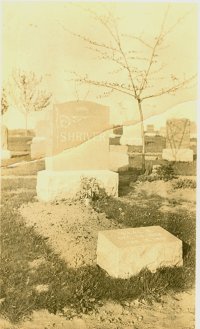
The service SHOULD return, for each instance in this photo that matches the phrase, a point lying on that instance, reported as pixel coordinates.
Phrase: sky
(36, 38)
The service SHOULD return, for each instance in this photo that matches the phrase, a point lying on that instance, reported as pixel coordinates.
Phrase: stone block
(5, 154)
(38, 147)
(92, 154)
(178, 133)
(75, 122)
(125, 252)
(119, 158)
(185, 155)
(118, 148)
(56, 185)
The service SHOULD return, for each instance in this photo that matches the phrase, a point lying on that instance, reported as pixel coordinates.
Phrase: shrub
(184, 183)
(166, 172)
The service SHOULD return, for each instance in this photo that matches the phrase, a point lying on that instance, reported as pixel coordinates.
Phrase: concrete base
(56, 185)
(185, 155)
(38, 148)
(5, 154)
(125, 252)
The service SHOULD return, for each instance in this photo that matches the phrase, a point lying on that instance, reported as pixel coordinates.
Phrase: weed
(90, 189)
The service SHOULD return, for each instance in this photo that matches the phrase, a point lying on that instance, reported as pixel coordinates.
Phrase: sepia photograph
(99, 165)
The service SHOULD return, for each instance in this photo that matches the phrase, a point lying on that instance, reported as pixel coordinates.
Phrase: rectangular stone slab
(178, 133)
(183, 155)
(125, 252)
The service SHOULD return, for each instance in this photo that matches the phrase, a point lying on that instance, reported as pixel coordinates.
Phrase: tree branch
(172, 89)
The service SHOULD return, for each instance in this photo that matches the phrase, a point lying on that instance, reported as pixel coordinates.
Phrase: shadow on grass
(125, 178)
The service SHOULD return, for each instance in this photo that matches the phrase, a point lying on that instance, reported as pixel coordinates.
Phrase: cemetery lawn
(38, 274)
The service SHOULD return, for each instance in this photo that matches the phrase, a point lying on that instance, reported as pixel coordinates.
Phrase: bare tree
(4, 101)
(135, 59)
(27, 95)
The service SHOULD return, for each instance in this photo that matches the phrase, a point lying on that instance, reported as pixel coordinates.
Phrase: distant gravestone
(5, 153)
(4, 138)
(125, 252)
(150, 128)
(78, 145)
(178, 134)
(40, 141)
(178, 141)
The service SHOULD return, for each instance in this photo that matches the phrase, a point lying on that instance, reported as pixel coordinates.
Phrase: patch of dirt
(173, 312)
(165, 190)
(67, 227)
(170, 207)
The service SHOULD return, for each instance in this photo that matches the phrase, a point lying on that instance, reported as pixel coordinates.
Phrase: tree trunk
(142, 135)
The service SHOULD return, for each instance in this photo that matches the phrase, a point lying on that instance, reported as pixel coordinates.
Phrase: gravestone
(40, 141)
(125, 252)
(78, 146)
(150, 129)
(178, 141)
(182, 155)
(178, 134)
(5, 153)
(119, 159)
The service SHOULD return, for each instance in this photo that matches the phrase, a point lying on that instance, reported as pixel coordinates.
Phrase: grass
(18, 182)
(24, 169)
(84, 289)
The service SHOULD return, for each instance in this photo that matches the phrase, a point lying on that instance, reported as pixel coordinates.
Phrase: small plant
(166, 172)
(184, 183)
(90, 189)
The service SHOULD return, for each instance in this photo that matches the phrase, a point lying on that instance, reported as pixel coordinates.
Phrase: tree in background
(27, 95)
(4, 101)
(138, 70)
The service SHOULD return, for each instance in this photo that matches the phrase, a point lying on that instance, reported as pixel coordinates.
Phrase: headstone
(178, 134)
(78, 145)
(79, 139)
(154, 144)
(119, 159)
(182, 155)
(125, 252)
(40, 141)
(5, 153)
(76, 122)
(178, 141)
(150, 128)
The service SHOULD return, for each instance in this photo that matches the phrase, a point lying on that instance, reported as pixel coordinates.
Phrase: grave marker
(125, 252)
(178, 141)
(5, 153)
(78, 146)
